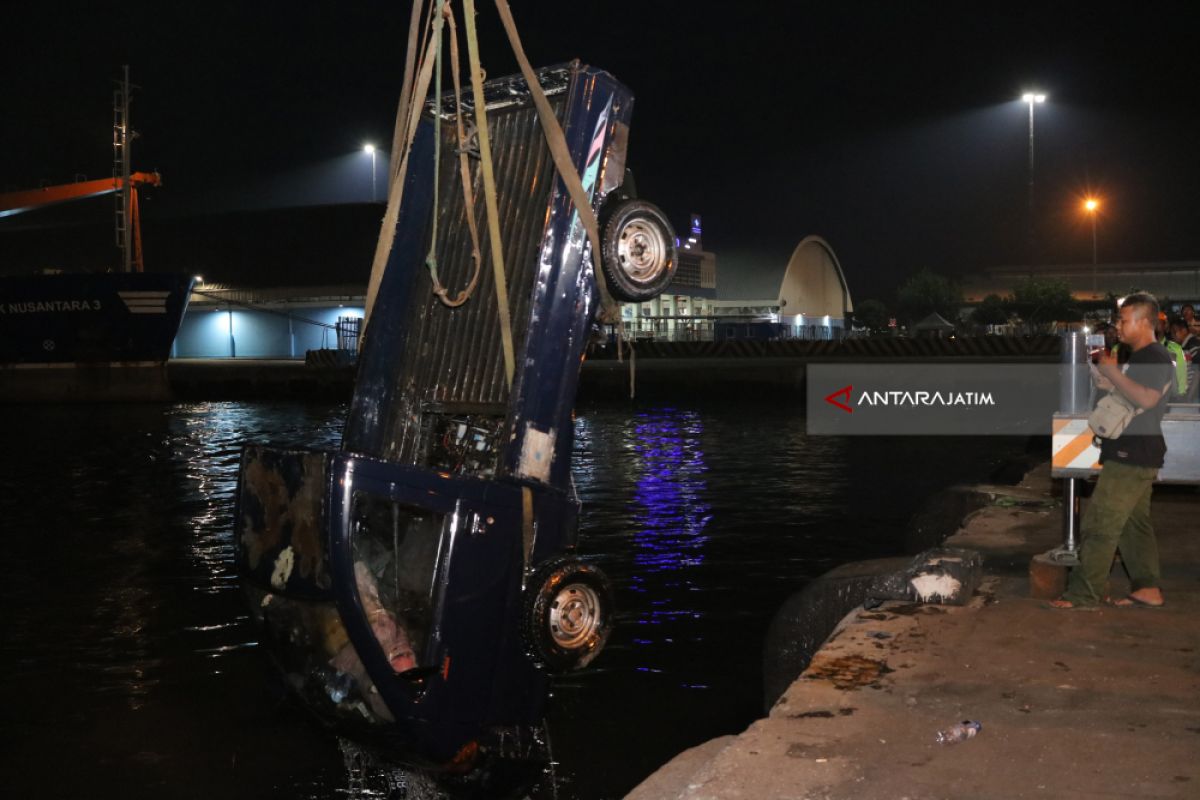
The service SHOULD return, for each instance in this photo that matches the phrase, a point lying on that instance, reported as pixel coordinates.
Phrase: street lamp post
(1032, 99)
(370, 148)
(1092, 206)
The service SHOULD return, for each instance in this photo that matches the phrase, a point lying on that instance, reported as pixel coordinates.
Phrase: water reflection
(670, 512)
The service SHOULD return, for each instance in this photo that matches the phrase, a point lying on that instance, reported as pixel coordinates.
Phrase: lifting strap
(408, 114)
(431, 258)
(527, 537)
(444, 12)
(464, 169)
(561, 155)
(406, 130)
(566, 170)
(489, 190)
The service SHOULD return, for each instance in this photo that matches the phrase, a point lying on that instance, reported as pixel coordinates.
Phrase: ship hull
(88, 337)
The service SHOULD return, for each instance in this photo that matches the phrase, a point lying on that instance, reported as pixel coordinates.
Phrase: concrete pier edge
(1072, 703)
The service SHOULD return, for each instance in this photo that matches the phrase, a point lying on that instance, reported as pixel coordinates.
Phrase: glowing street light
(1092, 206)
(370, 149)
(1032, 99)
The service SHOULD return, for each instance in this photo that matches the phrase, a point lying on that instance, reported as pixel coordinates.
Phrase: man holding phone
(1118, 514)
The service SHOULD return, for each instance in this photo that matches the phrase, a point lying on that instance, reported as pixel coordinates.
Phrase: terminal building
(285, 323)
(1172, 282)
(807, 298)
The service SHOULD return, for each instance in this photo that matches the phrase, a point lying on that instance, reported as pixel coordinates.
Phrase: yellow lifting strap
(444, 13)
(562, 157)
(527, 533)
(489, 190)
(464, 169)
(411, 104)
(566, 170)
(406, 128)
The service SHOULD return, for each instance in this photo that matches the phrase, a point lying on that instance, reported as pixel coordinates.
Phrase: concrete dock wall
(1071, 704)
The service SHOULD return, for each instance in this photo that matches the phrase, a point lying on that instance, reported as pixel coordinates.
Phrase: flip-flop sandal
(1129, 601)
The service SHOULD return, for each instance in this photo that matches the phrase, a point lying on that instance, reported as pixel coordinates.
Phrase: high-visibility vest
(1176, 353)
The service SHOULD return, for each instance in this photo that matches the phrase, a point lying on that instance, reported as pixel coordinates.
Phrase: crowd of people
(1179, 334)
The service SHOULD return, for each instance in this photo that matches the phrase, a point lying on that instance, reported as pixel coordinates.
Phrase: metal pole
(1094, 289)
(372, 175)
(1093, 242)
(1074, 398)
(1070, 516)
(125, 138)
(1031, 209)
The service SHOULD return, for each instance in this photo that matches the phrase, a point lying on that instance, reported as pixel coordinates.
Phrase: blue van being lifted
(419, 584)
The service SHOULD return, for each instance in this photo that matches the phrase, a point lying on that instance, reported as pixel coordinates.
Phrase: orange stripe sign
(1072, 446)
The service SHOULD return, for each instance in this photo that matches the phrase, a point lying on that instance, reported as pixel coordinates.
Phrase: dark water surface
(129, 669)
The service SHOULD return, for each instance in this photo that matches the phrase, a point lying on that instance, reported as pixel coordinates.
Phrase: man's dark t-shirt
(1142, 443)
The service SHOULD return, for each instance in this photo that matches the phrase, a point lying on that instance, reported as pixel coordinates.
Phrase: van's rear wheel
(568, 614)
(638, 253)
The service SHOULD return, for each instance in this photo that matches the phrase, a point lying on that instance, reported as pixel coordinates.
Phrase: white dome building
(814, 297)
(812, 300)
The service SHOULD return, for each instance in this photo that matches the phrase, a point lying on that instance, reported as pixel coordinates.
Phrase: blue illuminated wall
(206, 332)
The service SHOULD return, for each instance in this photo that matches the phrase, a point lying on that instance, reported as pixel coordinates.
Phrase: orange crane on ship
(123, 185)
(29, 199)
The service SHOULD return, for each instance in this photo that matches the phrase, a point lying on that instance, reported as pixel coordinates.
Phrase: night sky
(893, 129)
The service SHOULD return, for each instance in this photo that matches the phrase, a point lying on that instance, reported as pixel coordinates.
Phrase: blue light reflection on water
(704, 518)
(670, 491)
(669, 515)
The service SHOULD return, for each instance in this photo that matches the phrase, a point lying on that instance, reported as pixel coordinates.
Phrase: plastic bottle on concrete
(958, 733)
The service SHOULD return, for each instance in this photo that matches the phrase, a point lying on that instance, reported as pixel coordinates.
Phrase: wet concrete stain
(841, 712)
(907, 610)
(818, 752)
(849, 672)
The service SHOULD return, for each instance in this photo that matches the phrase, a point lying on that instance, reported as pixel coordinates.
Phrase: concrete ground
(1102, 703)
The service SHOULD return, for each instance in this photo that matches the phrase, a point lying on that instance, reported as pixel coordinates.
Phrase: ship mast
(125, 198)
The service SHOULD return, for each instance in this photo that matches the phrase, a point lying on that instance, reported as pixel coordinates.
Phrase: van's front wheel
(568, 614)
